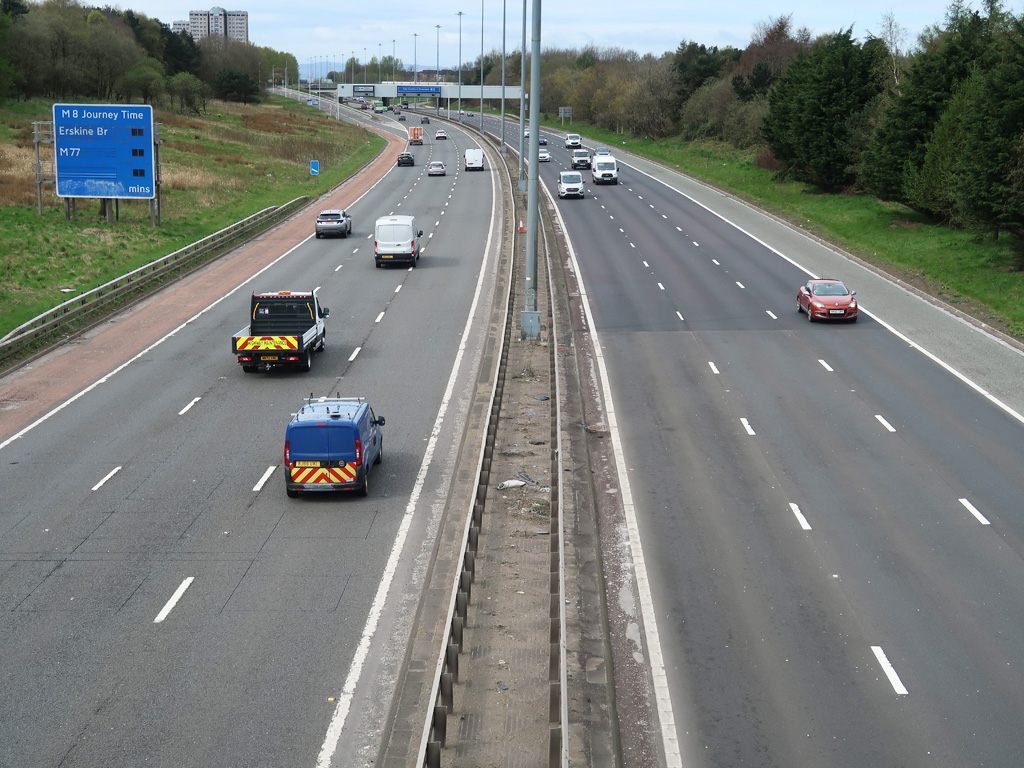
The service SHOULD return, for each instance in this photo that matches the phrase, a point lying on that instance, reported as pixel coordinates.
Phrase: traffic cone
(522, 229)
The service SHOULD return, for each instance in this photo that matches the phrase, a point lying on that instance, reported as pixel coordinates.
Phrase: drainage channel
(498, 690)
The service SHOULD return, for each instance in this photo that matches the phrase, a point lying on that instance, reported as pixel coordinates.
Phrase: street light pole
(503, 20)
(481, 66)
(364, 65)
(437, 68)
(394, 77)
(380, 79)
(460, 66)
(415, 72)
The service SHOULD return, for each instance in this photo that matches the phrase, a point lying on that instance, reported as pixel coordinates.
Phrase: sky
(323, 35)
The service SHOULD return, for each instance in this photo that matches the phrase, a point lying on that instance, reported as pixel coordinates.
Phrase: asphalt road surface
(831, 521)
(162, 601)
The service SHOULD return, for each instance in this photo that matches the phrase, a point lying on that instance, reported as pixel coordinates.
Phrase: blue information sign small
(314, 167)
(104, 150)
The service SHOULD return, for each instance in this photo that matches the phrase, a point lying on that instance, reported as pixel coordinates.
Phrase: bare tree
(893, 35)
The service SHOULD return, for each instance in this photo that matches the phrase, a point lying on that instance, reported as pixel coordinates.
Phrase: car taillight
(359, 451)
(287, 454)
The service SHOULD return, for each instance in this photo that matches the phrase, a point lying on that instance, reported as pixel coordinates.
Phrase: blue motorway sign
(418, 89)
(104, 150)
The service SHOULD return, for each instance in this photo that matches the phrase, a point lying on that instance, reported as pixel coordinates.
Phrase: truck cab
(285, 328)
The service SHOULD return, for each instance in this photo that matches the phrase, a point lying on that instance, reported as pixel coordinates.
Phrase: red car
(827, 299)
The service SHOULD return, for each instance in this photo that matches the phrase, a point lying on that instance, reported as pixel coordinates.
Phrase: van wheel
(365, 487)
(292, 493)
(307, 363)
(250, 368)
(380, 453)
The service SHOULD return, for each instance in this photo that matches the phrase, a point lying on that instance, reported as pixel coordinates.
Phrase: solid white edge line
(174, 599)
(263, 480)
(800, 517)
(973, 510)
(890, 672)
(344, 704)
(746, 426)
(659, 677)
(110, 474)
(354, 353)
(186, 409)
(884, 423)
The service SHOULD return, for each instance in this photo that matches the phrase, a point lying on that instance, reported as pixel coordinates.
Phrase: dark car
(827, 299)
(542, 141)
(401, 117)
(424, 119)
(406, 158)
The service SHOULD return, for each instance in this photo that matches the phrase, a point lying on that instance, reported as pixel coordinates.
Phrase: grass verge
(217, 169)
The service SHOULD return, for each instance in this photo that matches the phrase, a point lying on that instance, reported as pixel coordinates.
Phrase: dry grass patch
(275, 123)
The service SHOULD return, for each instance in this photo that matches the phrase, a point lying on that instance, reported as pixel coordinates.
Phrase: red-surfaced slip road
(36, 388)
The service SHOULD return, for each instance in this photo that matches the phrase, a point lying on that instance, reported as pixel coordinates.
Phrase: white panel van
(474, 159)
(396, 240)
(604, 170)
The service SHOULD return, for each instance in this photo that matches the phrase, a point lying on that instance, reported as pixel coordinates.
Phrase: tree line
(938, 127)
(60, 49)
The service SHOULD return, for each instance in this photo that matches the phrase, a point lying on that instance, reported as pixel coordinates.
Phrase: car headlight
(853, 304)
(817, 305)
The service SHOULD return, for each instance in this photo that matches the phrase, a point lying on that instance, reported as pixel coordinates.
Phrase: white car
(570, 184)
(573, 141)
(436, 168)
(440, 134)
(543, 155)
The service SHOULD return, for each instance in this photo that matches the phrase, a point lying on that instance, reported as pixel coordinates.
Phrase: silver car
(333, 222)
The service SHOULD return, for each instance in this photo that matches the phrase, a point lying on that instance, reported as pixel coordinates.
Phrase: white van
(474, 159)
(604, 170)
(396, 240)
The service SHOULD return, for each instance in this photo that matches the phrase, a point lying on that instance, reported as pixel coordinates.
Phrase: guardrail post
(440, 723)
(447, 690)
(457, 631)
(433, 759)
(451, 658)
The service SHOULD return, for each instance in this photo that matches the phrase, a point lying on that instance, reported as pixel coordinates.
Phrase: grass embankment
(217, 169)
(978, 277)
